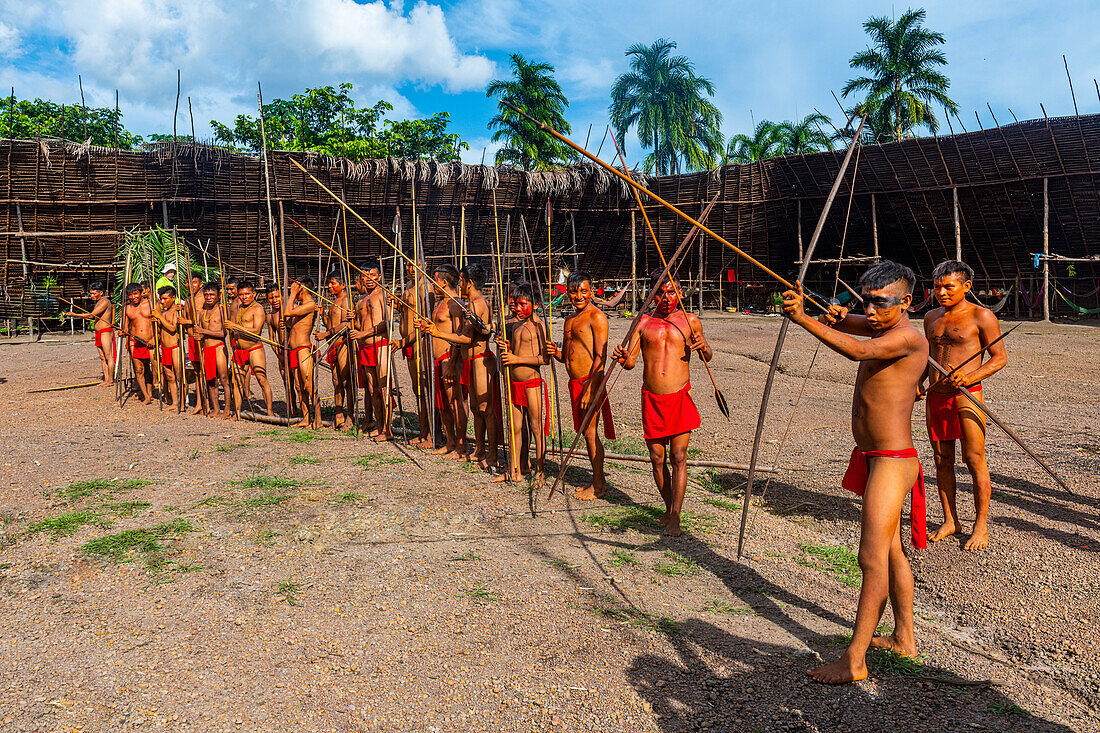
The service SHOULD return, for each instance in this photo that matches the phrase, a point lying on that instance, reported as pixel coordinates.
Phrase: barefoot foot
(979, 539)
(946, 530)
(901, 648)
(590, 492)
(672, 527)
(839, 672)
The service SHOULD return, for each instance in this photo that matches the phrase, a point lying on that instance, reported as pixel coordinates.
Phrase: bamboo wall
(75, 201)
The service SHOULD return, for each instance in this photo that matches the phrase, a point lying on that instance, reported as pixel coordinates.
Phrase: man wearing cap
(167, 278)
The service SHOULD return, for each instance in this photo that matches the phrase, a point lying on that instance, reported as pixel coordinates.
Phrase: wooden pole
(702, 249)
(800, 230)
(1046, 249)
(958, 232)
(26, 272)
(874, 224)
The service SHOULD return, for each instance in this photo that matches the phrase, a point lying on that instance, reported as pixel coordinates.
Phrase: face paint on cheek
(523, 309)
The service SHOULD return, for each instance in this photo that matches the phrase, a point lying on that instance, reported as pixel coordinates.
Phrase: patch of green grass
(676, 565)
(729, 506)
(890, 661)
(119, 547)
(289, 590)
(267, 483)
(349, 498)
(1006, 708)
(837, 561)
(266, 498)
(563, 564)
(641, 517)
(378, 459)
(227, 447)
(192, 567)
(468, 557)
(128, 508)
(68, 524)
(215, 500)
(83, 489)
(724, 607)
(304, 460)
(266, 538)
(622, 558)
(479, 593)
(637, 619)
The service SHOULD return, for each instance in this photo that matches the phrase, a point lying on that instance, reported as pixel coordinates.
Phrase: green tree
(765, 142)
(327, 120)
(534, 90)
(804, 136)
(26, 119)
(902, 78)
(669, 106)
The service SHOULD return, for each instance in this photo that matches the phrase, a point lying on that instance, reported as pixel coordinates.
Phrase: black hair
(524, 290)
(334, 275)
(887, 273)
(233, 281)
(245, 284)
(98, 285)
(167, 290)
(307, 282)
(196, 276)
(953, 267)
(575, 279)
(211, 286)
(657, 278)
(476, 274)
(133, 288)
(368, 265)
(272, 288)
(449, 273)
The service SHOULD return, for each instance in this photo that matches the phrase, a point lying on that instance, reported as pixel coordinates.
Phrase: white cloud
(9, 41)
(480, 146)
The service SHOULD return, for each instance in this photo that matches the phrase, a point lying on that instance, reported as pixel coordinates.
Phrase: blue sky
(767, 60)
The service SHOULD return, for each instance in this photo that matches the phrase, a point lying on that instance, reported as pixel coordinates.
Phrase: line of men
(444, 322)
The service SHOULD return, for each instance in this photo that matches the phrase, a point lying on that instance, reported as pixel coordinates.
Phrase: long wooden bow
(783, 336)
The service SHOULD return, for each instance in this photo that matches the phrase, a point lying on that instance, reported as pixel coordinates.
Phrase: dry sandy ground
(295, 581)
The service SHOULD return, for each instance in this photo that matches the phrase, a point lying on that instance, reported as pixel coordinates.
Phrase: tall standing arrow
(783, 336)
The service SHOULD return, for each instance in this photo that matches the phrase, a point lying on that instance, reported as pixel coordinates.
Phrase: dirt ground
(273, 579)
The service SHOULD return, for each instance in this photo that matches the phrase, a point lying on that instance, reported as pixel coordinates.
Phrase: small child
(524, 353)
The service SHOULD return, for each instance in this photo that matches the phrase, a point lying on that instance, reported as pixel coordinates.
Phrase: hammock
(1028, 300)
(1000, 303)
(614, 301)
(1074, 306)
(1089, 294)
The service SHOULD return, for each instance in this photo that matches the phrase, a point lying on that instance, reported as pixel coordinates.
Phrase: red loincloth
(294, 362)
(98, 336)
(943, 414)
(368, 353)
(192, 349)
(139, 351)
(468, 368)
(210, 361)
(576, 386)
(440, 395)
(241, 355)
(330, 355)
(855, 480)
(409, 352)
(166, 355)
(519, 398)
(666, 415)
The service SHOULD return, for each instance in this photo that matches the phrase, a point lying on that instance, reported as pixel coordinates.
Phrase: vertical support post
(702, 249)
(26, 272)
(874, 224)
(800, 229)
(633, 266)
(1046, 249)
(958, 233)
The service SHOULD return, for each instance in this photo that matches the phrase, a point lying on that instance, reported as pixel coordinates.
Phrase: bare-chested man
(299, 318)
(665, 340)
(372, 332)
(447, 318)
(478, 376)
(338, 320)
(248, 350)
(194, 354)
(102, 321)
(139, 322)
(525, 353)
(210, 329)
(415, 295)
(584, 352)
(167, 316)
(957, 330)
(884, 466)
(276, 330)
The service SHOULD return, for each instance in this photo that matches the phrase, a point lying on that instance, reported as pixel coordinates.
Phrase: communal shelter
(1019, 202)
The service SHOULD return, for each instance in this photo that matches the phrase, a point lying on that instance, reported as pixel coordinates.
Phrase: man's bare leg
(943, 452)
(258, 361)
(338, 388)
(107, 359)
(422, 440)
(677, 454)
(973, 452)
(889, 480)
(140, 365)
(455, 445)
(514, 441)
(223, 377)
(902, 641)
(171, 393)
(535, 417)
(662, 477)
(598, 487)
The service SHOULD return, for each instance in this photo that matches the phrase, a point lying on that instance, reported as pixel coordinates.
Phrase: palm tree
(670, 107)
(765, 142)
(536, 92)
(804, 136)
(902, 79)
